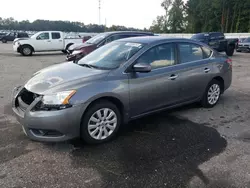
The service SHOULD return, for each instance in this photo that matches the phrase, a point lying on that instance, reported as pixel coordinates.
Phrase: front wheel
(26, 50)
(100, 123)
(212, 94)
(4, 41)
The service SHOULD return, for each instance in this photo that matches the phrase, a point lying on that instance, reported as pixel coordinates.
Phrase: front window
(43, 36)
(159, 56)
(112, 55)
(96, 39)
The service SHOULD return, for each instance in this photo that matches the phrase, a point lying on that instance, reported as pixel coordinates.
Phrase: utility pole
(99, 12)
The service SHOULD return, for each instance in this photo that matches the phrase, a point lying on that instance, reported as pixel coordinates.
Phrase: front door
(56, 41)
(42, 42)
(158, 88)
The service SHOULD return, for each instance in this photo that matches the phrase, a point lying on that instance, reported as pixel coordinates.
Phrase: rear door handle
(206, 70)
(48, 41)
(173, 77)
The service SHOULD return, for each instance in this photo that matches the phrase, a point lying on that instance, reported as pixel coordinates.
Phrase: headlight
(60, 98)
(76, 52)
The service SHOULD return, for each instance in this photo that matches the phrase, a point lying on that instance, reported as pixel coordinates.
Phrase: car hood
(18, 39)
(84, 45)
(62, 76)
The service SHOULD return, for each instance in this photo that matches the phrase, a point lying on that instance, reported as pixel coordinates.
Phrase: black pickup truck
(217, 41)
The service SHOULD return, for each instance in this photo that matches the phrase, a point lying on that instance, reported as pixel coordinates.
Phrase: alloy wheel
(102, 124)
(213, 94)
(26, 51)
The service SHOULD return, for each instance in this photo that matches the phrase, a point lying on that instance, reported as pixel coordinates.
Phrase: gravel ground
(186, 147)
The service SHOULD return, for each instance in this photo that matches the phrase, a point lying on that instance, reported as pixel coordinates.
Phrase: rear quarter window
(207, 52)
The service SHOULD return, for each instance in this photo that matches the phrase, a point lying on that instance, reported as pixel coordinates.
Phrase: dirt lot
(186, 147)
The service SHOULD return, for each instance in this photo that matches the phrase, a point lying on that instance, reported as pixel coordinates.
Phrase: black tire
(230, 50)
(85, 135)
(205, 99)
(67, 47)
(4, 41)
(26, 50)
(64, 51)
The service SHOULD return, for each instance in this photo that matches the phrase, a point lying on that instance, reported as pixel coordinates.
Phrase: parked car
(217, 41)
(99, 40)
(119, 82)
(85, 38)
(44, 41)
(244, 46)
(1, 35)
(13, 35)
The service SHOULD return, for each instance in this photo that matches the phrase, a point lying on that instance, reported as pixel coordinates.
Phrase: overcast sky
(130, 13)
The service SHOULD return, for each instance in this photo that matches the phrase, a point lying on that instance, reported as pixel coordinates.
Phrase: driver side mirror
(142, 67)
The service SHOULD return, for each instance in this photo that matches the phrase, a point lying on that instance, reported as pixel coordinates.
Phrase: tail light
(230, 62)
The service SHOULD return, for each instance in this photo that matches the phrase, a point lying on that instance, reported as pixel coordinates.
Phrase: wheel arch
(33, 49)
(221, 80)
(119, 104)
(68, 45)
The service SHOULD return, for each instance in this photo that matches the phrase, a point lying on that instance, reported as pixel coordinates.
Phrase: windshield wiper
(86, 65)
(89, 66)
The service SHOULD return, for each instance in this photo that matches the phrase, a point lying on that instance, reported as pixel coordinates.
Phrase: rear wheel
(100, 123)
(4, 41)
(230, 50)
(212, 94)
(26, 50)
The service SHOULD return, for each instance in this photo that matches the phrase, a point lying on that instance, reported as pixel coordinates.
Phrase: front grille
(25, 99)
(27, 96)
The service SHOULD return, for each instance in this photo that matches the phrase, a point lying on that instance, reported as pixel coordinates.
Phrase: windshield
(34, 36)
(247, 40)
(111, 55)
(96, 39)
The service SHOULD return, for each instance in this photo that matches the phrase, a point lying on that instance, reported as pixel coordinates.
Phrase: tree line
(66, 26)
(229, 16)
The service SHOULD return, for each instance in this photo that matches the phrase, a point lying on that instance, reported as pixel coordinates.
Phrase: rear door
(56, 41)
(195, 70)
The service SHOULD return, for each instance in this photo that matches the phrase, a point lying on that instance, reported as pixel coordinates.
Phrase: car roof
(154, 39)
(129, 32)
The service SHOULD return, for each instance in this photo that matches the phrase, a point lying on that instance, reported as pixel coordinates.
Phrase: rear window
(217, 36)
(23, 35)
(190, 52)
(198, 36)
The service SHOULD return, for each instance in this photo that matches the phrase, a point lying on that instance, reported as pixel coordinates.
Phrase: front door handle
(48, 41)
(207, 70)
(173, 77)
